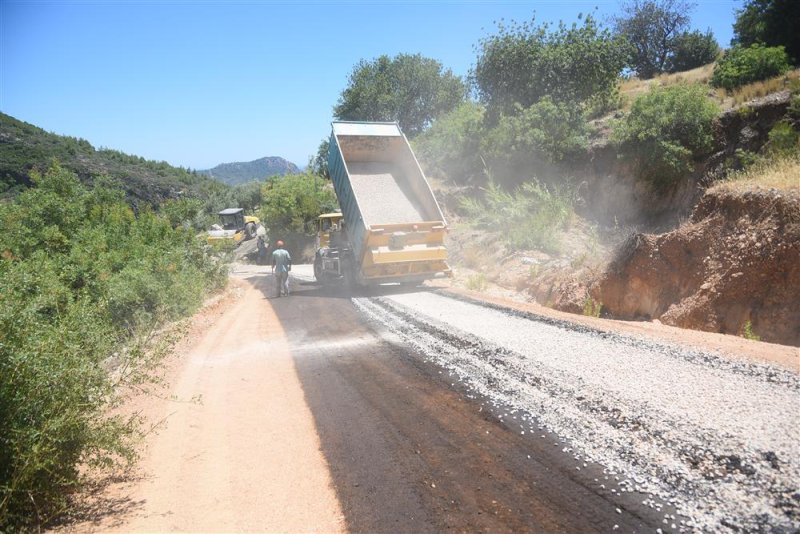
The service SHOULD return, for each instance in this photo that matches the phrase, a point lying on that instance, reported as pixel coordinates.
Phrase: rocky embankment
(734, 266)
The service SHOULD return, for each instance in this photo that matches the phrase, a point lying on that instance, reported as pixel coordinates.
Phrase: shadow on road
(407, 450)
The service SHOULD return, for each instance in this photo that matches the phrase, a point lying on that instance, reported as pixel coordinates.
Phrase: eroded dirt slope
(736, 262)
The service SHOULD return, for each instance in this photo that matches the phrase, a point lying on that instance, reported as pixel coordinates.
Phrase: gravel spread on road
(716, 439)
(381, 195)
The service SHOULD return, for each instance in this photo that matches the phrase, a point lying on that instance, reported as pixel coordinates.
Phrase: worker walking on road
(281, 265)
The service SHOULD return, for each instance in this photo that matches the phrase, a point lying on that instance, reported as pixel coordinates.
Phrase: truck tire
(318, 268)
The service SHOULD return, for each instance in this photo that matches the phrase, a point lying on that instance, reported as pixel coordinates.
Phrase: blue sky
(197, 83)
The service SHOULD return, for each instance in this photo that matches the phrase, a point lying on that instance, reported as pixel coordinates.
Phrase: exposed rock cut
(736, 261)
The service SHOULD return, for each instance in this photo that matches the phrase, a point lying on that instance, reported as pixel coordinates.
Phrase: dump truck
(390, 229)
(234, 226)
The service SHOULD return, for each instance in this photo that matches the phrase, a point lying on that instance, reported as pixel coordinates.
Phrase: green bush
(740, 66)
(794, 106)
(81, 277)
(547, 130)
(665, 131)
(530, 217)
(783, 139)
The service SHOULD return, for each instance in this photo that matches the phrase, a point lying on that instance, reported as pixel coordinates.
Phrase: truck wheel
(249, 230)
(318, 269)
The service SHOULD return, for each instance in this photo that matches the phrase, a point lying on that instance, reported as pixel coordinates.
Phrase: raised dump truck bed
(394, 224)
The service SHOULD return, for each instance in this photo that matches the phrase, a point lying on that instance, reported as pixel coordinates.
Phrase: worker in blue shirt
(281, 265)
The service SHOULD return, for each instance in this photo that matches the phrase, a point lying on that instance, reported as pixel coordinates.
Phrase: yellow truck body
(394, 228)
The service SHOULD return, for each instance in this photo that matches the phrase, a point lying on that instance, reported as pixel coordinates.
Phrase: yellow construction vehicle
(327, 223)
(234, 227)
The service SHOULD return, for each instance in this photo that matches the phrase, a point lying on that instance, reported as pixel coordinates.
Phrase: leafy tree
(293, 202)
(546, 132)
(248, 196)
(319, 163)
(523, 63)
(409, 89)
(666, 130)
(692, 50)
(740, 66)
(654, 28)
(452, 144)
(771, 23)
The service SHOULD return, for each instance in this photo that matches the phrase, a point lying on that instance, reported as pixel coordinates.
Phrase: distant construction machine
(390, 228)
(234, 227)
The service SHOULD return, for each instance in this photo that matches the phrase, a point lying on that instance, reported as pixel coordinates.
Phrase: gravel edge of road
(636, 480)
(784, 356)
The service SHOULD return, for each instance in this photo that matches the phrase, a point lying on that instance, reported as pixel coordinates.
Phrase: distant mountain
(25, 147)
(239, 173)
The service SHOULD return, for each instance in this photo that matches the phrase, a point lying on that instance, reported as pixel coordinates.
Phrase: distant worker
(262, 250)
(281, 265)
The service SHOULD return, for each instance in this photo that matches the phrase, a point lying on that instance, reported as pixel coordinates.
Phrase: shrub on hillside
(80, 277)
(784, 140)
(530, 217)
(546, 130)
(740, 66)
(667, 129)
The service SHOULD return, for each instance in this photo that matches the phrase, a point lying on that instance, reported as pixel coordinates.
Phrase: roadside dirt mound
(737, 261)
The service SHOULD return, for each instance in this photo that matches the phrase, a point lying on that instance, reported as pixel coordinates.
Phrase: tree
(410, 89)
(523, 63)
(653, 28)
(452, 144)
(769, 22)
(293, 202)
(692, 50)
(319, 164)
(544, 132)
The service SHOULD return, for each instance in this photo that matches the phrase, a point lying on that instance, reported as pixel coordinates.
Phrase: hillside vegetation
(620, 157)
(24, 147)
(85, 282)
(185, 197)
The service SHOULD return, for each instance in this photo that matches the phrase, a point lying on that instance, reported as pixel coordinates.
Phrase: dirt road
(310, 416)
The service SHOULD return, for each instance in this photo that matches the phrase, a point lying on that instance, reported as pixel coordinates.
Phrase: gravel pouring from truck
(392, 228)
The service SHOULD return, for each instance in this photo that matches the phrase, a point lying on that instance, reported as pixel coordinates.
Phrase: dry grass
(630, 89)
(782, 174)
(748, 92)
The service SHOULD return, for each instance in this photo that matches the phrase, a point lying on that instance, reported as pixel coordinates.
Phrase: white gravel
(383, 195)
(719, 439)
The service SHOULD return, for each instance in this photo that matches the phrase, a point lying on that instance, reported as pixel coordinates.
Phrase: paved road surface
(313, 418)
